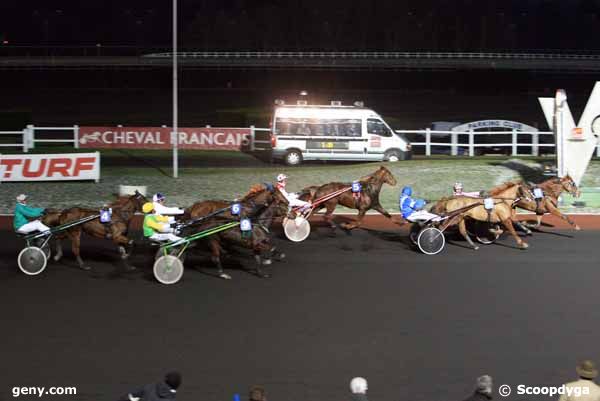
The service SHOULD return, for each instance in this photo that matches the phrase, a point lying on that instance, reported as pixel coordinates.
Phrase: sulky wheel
(168, 269)
(484, 232)
(32, 260)
(431, 240)
(297, 229)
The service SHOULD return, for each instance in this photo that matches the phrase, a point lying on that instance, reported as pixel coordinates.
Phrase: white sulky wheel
(484, 232)
(32, 260)
(168, 269)
(431, 240)
(297, 229)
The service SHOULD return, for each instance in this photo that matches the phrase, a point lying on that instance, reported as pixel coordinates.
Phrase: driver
(158, 201)
(292, 198)
(157, 227)
(457, 190)
(412, 209)
(23, 212)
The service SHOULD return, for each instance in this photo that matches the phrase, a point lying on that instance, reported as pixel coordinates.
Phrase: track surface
(418, 327)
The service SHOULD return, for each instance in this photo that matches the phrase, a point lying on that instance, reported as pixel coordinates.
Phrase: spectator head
(358, 385)
(484, 384)
(587, 370)
(173, 379)
(257, 393)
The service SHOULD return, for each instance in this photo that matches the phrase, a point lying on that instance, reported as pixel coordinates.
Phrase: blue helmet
(419, 204)
(158, 197)
(407, 191)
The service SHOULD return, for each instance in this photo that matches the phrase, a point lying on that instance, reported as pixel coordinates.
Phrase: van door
(380, 138)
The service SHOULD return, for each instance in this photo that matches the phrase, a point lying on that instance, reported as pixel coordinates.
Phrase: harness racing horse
(500, 213)
(511, 193)
(261, 204)
(551, 189)
(368, 199)
(123, 209)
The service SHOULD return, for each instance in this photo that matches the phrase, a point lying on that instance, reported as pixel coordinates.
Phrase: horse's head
(260, 195)
(439, 207)
(568, 185)
(130, 203)
(386, 176)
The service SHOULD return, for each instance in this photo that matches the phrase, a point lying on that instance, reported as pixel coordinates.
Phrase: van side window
(377, 127)
(318, 127)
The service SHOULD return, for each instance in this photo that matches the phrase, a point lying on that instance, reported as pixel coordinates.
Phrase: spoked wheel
(168, 269)
(32, 260)
(415, 229)
(484, 232)
(431, 240)
(297, 229)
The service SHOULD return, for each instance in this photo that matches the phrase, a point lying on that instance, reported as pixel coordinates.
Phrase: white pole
(175, 122)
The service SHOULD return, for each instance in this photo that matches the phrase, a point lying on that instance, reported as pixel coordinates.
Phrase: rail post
(25, 141)
(535, 141)
(597, 150)
(428, 142)
(252, 138)
(471, 143)
(30, 136)
(76, 136)
(454, 141)
(515, 150)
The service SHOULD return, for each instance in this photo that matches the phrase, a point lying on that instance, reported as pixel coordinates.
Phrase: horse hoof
(267, 262)
(57, 258)
(524, 245)
(85, 268)
(130, 268)
(475, 248)
(264, 275)
(225, 276)
(281, 256)
(577, 228)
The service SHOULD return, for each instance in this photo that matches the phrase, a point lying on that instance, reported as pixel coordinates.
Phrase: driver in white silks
(292, 198)
(158, 201)
(412, 209)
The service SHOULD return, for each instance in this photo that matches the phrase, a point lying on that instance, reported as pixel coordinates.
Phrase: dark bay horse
(369, 196)
(261, 204)
(123, 209)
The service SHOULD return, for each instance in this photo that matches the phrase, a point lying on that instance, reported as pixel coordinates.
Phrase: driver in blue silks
(412, 209)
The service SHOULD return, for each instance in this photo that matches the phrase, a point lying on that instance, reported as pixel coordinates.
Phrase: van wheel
(293, 158)
(392, 156)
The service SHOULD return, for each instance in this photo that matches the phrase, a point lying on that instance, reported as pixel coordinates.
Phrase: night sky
(442, 25)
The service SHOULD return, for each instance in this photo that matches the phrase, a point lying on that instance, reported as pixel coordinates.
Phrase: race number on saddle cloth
(292, 198)
(23, 213)
(158, 202)
(157, 227)
(412, 209)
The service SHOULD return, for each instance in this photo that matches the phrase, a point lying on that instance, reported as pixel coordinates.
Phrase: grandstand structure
(123, 57)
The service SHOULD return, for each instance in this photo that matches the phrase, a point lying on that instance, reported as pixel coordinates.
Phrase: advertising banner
(160, 138)
(54, 167)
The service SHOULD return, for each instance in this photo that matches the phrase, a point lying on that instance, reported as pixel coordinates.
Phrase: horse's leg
(554, 211)
(275, 254)
(260, 261)
(462, 228)
(357, 223)
(215, 250)
(58, 250)
(330, 207)
(75, 237)
(124, 248)
(522, 227)
(509, 226)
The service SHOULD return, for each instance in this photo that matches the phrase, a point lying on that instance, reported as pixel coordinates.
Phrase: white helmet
(458, 186)
(281, 177)
(358, 385)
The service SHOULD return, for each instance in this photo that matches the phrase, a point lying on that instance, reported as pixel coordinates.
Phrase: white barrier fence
(532, 142)
(28, 139)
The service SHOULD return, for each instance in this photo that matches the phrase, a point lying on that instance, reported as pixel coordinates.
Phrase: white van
(332, 132)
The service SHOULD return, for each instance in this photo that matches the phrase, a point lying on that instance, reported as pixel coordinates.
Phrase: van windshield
(377, 127)
(318, 127)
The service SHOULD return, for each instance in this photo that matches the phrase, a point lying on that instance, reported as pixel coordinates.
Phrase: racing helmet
(281, 177)
(458, 187)
(407, 191)
(147, 207)
(21, 198)
(158, 197)
(358, 385)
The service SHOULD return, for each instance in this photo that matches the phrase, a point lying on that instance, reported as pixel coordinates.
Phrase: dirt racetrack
(418, 327)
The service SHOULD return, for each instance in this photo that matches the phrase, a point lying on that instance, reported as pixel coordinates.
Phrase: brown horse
(511, 193)
(501, 213)
(123, 209)
(369, 196)
(261, 203)
(552, 189)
